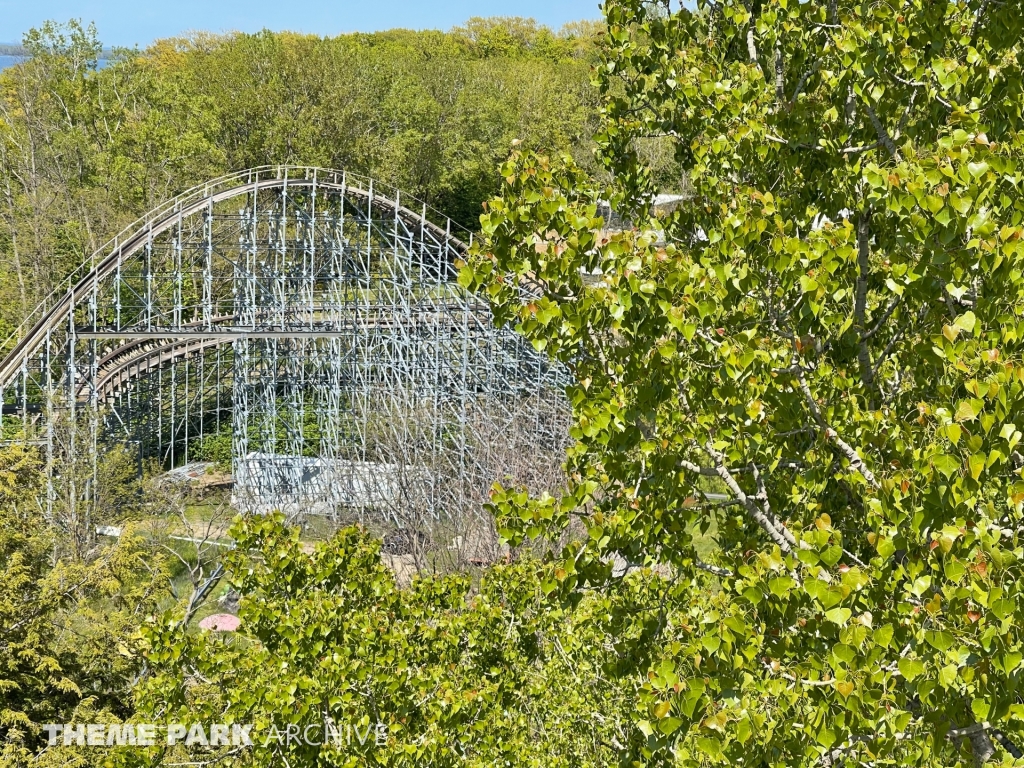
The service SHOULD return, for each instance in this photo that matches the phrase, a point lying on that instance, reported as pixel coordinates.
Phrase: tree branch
(1008, 745)
(885, 317)
(906, 114)
(201, 592)
(867, 373)
(713, 472)
(981, 745)
(698, 470)
(967, 730)
(847, 450)
(803, 81)
(723, 572)
(883, 133)
(858, 150)
(780, 75)
(979, 18)
(773, 528)
(901, 332)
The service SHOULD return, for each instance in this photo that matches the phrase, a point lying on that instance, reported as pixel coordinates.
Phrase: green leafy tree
(84, 149)
(817, 360)
(453, 673)
(67, 626)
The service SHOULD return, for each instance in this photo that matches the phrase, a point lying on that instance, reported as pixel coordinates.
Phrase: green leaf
(981, 709)
(946, 464)
(921, 585)
(844, 653)
(953, 432)
(808, 557)
(743, 730)
(947, 675)
(1010, 662)
(966, 322)
(967, 410)
(883, 635)
(808, 284)
(669, 725)
(838, 615)
(977, 465)
(885, 547)
(832, 555)
(825, 736)
(1003, 608)
(977, 169)
(753, 594)
(910, 668)
(939, 640)
(781, 586)
(816, 589)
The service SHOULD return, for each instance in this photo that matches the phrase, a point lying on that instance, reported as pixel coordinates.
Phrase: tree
(816, 360)
(85, 149)
(67, 627)
(451, 673)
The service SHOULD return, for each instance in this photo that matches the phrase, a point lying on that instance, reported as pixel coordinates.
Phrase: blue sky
(130, 22)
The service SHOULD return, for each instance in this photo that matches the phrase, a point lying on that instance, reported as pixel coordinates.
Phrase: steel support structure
(316, 316)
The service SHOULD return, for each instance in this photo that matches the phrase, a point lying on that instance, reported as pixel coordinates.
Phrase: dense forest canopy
(829, 330)
(85, 149)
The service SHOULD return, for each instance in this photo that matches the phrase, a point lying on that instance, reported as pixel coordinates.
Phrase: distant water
(9, 61)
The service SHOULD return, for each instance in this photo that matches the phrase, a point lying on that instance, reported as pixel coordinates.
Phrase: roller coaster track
(53, 312)
(322, 314)
(147, 351)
